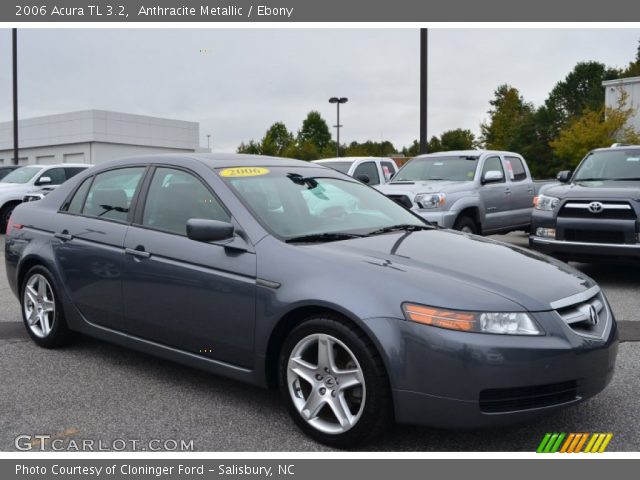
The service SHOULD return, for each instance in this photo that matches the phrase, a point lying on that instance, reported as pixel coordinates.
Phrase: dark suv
(593, 212)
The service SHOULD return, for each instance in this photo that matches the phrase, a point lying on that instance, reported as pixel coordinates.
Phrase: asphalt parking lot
(94, 390)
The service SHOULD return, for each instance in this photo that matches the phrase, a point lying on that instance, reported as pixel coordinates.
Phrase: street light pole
(15, 94)
(424, 32)
(209, 141)
(338, 101)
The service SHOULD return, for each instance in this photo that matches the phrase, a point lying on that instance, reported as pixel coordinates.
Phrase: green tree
(457, 139)
(510, 121)
(633, 70)
(594, 129)
(276, 140)
(412, 150)
(314, 131)
(369, 149)
(252, 148)
(581, 89)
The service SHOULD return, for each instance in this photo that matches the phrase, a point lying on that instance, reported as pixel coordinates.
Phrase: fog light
(546, 232)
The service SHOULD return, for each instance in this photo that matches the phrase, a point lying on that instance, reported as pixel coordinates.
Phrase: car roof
(349, 159)
(214, 160)
(58, 165)
(467, 153)
(616, 148)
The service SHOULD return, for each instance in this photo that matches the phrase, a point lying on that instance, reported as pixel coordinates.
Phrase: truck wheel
(466, 225)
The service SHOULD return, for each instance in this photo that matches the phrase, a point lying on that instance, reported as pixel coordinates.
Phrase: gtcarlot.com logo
(61, 443)
(574, 442)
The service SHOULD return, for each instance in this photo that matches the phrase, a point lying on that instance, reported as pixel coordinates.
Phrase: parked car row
(269, 271)
(594, 212)
(30, 181)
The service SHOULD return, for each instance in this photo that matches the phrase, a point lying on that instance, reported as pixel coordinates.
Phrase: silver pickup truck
(476, 191)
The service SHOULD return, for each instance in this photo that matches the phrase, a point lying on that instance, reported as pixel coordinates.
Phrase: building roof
(621, 81)
(101, 126)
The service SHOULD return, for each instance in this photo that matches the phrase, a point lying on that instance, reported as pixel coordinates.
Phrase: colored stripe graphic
(554, 442)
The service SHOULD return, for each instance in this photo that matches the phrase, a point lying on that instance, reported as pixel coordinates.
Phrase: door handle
(507, 192)
(65, 236)
(137, 252)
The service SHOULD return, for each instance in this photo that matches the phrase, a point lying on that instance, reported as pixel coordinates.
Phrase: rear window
(516, 170)
(339, 166)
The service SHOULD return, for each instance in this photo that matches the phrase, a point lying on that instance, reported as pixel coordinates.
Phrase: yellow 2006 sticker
(244, 172)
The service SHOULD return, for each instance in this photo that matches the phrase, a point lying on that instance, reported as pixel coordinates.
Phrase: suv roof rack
(616, 145)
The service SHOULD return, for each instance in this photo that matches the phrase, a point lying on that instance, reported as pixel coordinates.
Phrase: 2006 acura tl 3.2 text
(283, 273)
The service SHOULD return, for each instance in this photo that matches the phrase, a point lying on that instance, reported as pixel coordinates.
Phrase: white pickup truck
(369, 170)
(29, 178)
(476, 191)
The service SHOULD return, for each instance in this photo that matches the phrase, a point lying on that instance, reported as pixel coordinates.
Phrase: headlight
(542, 202)
(480, 322)
(430, 200)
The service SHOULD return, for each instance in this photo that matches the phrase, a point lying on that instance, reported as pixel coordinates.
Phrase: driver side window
(175, 197)
(493, 164)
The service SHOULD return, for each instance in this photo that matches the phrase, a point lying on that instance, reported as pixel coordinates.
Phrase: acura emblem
(596, 207)
(594, 318)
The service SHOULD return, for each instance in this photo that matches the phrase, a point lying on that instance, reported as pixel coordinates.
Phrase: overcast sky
(237, 82)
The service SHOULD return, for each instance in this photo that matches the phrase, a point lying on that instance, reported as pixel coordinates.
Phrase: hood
(435, 186)
(465, 272)
(597, 190)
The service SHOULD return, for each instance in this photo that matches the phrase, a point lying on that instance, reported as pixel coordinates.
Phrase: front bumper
(444, 219)
(449, 379)
(582, 250)
(569, 248)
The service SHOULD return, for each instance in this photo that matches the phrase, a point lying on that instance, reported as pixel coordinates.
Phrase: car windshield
(615, 164)
(454, 168)
(296, 202)
(21, 175)
(339, 166)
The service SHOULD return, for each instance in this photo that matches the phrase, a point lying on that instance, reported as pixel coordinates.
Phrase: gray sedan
(286, 274)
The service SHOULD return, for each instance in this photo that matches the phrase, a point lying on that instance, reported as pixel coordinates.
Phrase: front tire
(466, 225)
(334, 383)
(41, 309)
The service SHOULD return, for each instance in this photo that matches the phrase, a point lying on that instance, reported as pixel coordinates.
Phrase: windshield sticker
(439, 164)
(244, 172)
(633, 159)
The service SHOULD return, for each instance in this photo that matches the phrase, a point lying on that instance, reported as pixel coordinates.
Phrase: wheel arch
(295, 317)
(474, 214)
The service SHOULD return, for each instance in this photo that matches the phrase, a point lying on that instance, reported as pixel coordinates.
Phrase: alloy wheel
(326, 383)
(39, 305)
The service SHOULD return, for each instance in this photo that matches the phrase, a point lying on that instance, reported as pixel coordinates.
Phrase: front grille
(587, 318)
(610, 211)
(401, 200)
(594, 236)
(503, 400)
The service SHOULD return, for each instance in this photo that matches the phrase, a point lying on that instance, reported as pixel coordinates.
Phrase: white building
(612, 92)
(95, 136)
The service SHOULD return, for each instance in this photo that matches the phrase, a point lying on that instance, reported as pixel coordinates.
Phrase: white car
(30, 178)
(378, 170)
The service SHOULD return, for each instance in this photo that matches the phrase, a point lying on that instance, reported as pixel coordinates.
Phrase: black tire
(466, 224)
(375, 411)
(5, 215)
(58, 333)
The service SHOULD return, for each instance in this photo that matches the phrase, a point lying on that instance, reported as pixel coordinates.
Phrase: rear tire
(466, 225)
(5, 215)
(317, 356)
(41, 309)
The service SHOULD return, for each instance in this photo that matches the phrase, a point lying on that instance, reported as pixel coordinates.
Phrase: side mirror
(564, 176)
(363, 178)
(203, 230)
(44, 181)
(493, 176)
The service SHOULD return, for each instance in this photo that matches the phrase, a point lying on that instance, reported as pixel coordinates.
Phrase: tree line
(552, 137)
